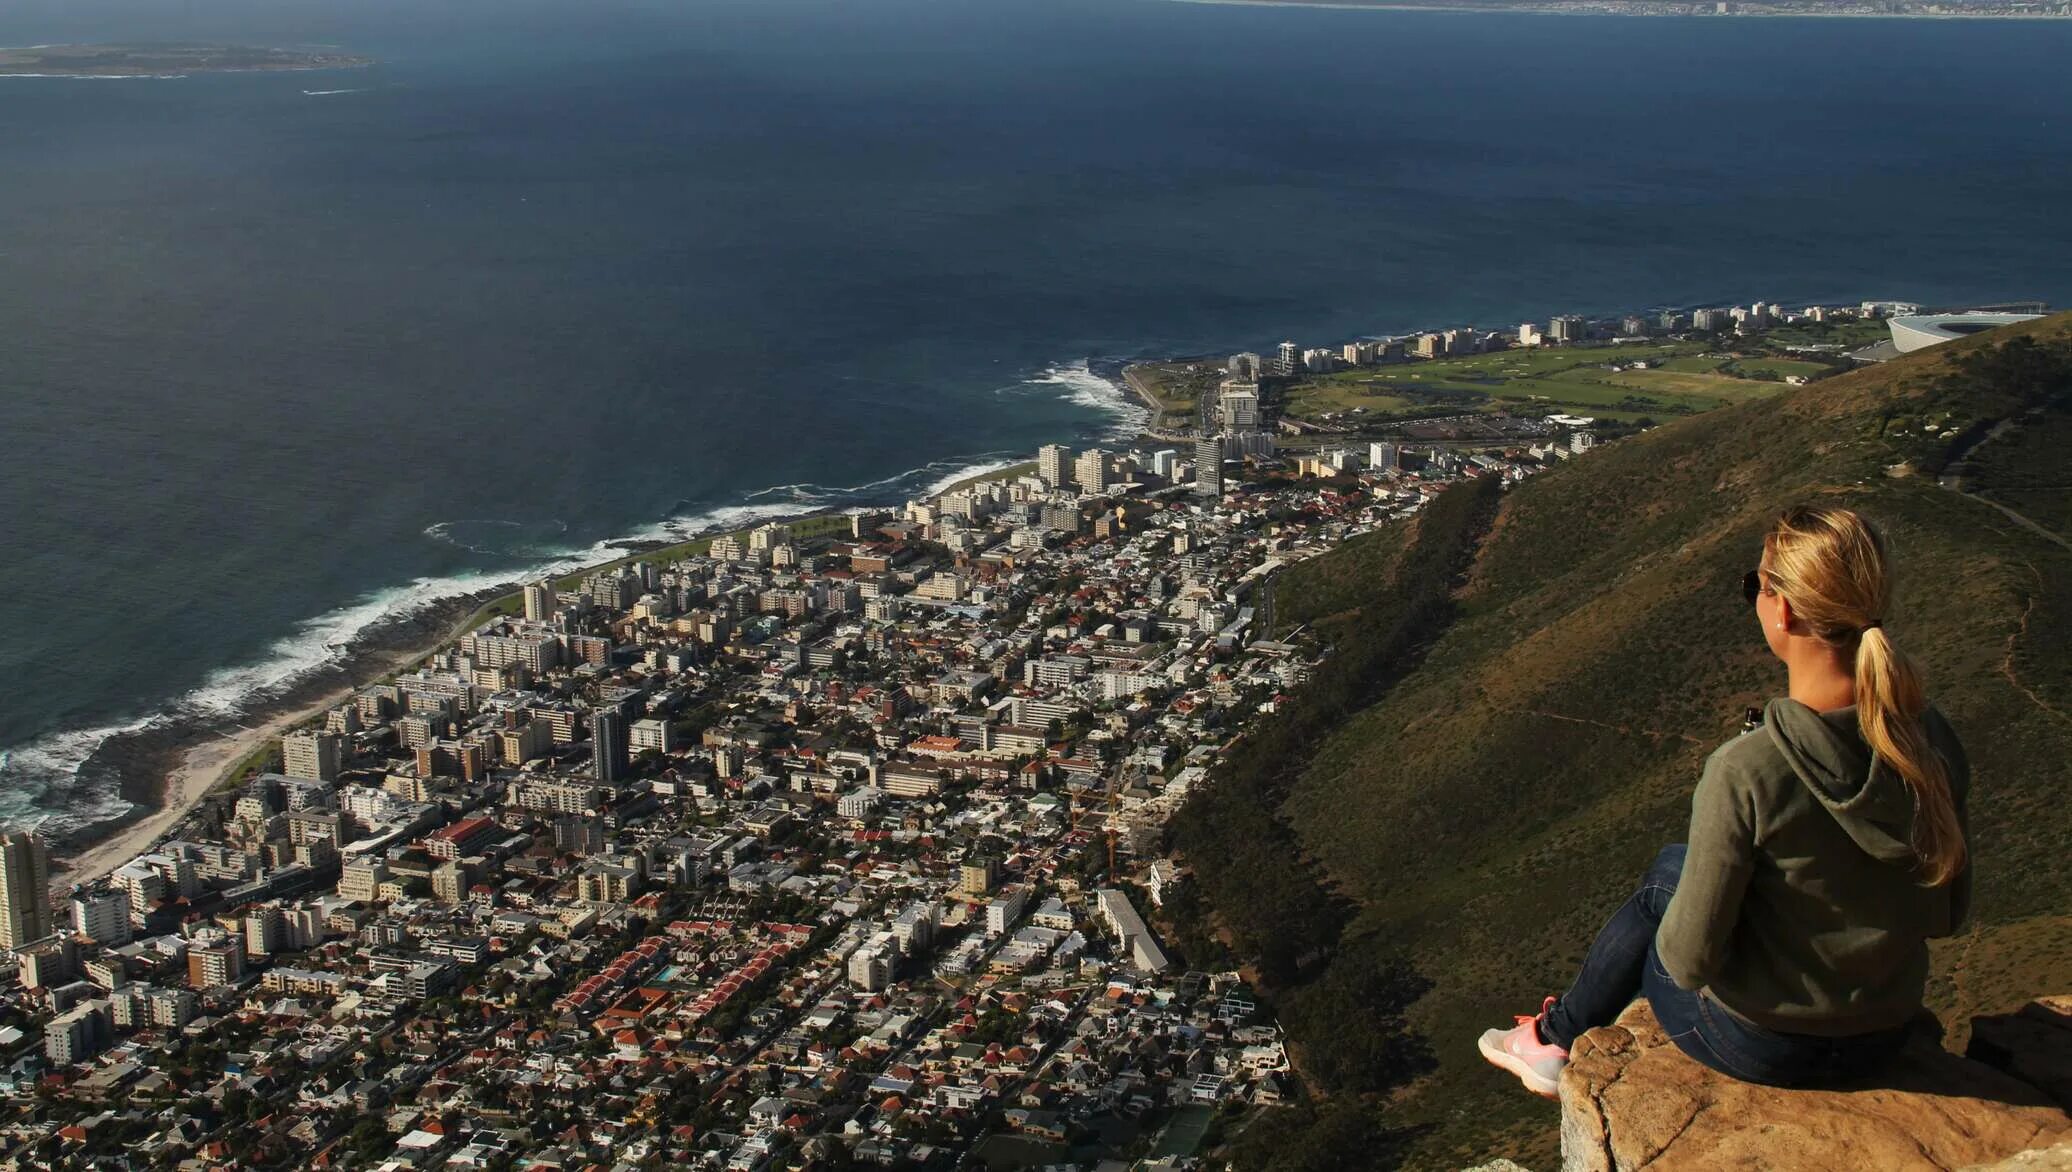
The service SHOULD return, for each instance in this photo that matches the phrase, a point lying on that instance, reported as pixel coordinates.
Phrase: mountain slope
(1485, 814)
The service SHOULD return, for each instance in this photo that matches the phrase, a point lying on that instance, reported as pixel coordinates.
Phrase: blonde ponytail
(1830, 565)
(1889, 703)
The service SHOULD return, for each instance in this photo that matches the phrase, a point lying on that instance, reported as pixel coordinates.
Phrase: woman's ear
(1784, 616)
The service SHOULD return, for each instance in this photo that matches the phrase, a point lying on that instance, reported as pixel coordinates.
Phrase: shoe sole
(1533, 1081)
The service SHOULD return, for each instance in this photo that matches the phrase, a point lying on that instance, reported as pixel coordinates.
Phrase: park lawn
(1386, 405)
(1475, 371)
(1686, 381)
(1378, 395)
(1702, 392)
(1849, 335)
(1596, 385)
(1696, 363)
(1633, 394)
(1462, 382)
(1175, 386)
(1781, 367)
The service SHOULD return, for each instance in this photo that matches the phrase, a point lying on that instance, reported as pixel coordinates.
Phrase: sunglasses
(1752, 586)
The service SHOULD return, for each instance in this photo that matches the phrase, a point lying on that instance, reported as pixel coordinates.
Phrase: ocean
(284, 357)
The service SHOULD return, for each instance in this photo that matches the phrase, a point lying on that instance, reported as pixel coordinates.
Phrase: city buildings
(540, 601)
(1090, 471)
(24, 889)
(815, 821)
(1053, 463)
(609, 739)
(310, 753)
(1239, 406)
(102, 916)
(213, 964)
(1208, 466)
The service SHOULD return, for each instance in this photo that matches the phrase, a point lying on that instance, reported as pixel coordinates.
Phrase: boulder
(2033, 1044)
(2053, 1159)
(1630, 1100)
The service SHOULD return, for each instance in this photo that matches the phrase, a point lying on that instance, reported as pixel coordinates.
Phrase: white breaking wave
(321, 642)
(966, 473)
(1077, 383)
(26, 771)
(328, 93)
(930, 479)
(717, 520)
(102, 76)
(40, 782)
(451, 533)
(804, 495)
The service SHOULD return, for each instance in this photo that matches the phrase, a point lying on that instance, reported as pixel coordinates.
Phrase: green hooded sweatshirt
(1801, 908)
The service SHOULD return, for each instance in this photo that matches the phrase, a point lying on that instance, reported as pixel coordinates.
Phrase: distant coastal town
(838, 838)
(164, 60)
(1922, 9)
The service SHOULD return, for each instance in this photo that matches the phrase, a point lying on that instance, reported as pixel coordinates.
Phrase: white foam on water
(927, 480)
(321, 642)
(102, 76)
(457, 534)
(1076, 382)
(968, 472)
(47, 770)
(27, 772)
(719, 520)
(328, 93)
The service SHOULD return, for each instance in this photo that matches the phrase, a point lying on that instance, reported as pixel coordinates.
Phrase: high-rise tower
(609, 732)
(24, 889)
(1208, 467)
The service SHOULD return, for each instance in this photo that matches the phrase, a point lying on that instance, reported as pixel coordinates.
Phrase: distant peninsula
(164, 60)
(1940, 9)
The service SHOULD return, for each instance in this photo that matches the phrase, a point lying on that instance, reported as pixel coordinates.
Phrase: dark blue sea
(283, 356)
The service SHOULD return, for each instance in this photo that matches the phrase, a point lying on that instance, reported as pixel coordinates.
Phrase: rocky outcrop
(2056, 1159)
(2034, 1045)
(1631, 1100)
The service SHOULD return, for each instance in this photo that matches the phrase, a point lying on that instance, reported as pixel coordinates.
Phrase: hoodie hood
(1869, 800)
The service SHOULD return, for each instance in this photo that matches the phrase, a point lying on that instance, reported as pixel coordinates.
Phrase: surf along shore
(167, 770)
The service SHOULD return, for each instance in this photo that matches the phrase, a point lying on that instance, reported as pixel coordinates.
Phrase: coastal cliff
(1480, 810)
(1631, 1100)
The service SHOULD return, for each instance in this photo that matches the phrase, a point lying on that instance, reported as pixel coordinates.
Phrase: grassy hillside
(1481, 817)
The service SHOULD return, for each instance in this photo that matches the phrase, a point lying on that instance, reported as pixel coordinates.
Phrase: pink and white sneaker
(1520, 1051)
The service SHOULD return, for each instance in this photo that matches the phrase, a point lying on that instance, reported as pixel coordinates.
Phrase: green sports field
(1679, 378)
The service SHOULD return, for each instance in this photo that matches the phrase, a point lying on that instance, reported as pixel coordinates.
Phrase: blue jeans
(1622, 965)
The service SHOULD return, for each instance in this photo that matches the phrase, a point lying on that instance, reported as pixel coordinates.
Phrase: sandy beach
(201, 768)
(198, 768)
(185, 786)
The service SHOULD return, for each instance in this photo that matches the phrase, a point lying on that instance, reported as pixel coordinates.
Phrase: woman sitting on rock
(1787, 942)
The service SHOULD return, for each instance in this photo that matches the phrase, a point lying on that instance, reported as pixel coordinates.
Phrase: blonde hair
(1829, 564)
